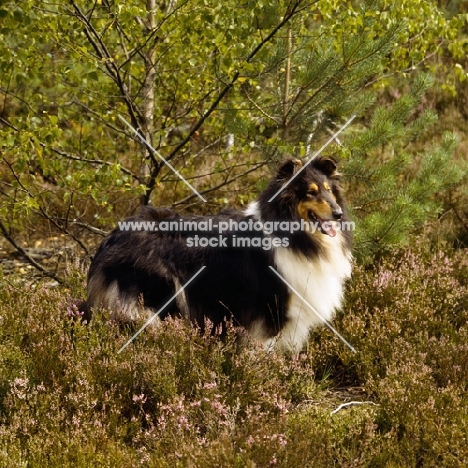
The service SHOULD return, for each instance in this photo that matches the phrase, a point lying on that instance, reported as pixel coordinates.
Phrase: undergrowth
(175, 397)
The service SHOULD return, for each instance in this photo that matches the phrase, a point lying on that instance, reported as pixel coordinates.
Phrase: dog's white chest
(318, 289)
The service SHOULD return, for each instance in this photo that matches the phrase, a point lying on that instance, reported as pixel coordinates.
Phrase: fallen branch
(350, 403)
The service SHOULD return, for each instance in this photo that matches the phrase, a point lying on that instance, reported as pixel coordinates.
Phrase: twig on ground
(350, 403)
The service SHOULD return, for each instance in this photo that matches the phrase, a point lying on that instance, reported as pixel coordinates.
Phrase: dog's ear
(327, 165)
(289, 168)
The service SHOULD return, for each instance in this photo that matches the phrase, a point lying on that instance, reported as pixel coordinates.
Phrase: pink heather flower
(209, 385)
(382, 280)
(140, 399)
(72, 311)
(19, 387)
(183, 423)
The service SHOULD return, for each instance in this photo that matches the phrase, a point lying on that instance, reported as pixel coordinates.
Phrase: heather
(224, 91)
(176, 397)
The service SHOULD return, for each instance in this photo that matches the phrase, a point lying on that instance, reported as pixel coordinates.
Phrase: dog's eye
(312, 193)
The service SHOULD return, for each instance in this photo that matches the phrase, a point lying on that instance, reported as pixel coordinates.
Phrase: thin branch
(262, 111)
(394, 73)
(23, 101)
(15, 175)
(76, 158)
(8, 124)
(97, 115)
(64, 230)
(373, 202)
(222, 184)
(31, 260)
(44, 214)
(87, 226)
(390, 227)
(350, 403)
(92, 161)
(101, 50)
(291, 11)
(287, 81)
(207, 174)
(209, 145)
(228, 86)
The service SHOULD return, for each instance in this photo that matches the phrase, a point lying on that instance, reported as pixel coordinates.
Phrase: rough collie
(288, 238)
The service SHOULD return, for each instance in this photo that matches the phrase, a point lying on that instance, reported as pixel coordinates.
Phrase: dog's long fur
(139, 270)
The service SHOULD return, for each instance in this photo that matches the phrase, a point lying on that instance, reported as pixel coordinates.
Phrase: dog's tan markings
(327, 187)
(302, 211)
(313, 187)
(320, 209)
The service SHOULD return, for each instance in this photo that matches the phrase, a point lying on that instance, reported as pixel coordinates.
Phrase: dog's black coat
(143, 269)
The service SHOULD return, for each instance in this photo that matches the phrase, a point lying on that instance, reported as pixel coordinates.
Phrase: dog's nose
(338, 213)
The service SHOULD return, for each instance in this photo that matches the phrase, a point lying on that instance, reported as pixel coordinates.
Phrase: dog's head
(310, 192)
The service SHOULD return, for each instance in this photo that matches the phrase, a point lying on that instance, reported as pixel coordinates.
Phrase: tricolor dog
(136, 271)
